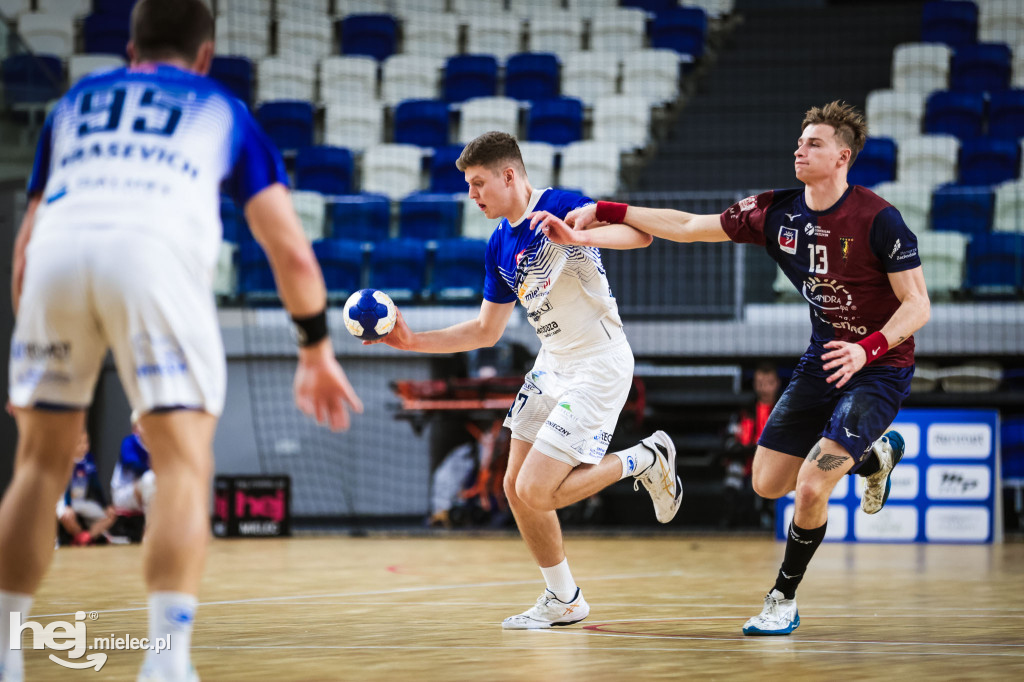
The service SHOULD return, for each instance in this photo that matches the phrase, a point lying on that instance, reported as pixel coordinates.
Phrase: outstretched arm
(915, 309)
(482, 331)
(666, 223)
(620, 237)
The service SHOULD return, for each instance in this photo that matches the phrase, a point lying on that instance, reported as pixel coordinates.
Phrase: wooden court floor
(662, 607)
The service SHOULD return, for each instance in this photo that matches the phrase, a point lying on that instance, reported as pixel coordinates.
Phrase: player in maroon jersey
(854, 260)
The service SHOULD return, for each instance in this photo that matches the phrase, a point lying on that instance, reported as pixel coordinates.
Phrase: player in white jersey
(563, 418)
(117, 249)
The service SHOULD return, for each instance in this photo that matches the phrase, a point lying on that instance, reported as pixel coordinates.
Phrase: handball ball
(370, 314)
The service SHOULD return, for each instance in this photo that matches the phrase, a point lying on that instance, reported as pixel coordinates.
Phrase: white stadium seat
(411, 8)
(623, 120)
(48, 33)
(475, 224)
(393, 169)
(913, 201)
(481, 114)
(353, 125)
(305, 10)
(244, 35)
(430, 35)
(592, 167)
(1018, 66)
(587, 7)
(285, 78)
(555, 31)
(478, 7)
(348, 79)
(405, 76)
(928, 159)
(1009, 216)
(75, 9)
(651, 74)
(12, 9)
(225, 281)
(894, 114)
(304, 39)
(589, 76)
(943, 255)
(496, 34)
(1001, 21)
(539, 159)
(236, 8)
(921, 67)
(310, 208)
(619, 30)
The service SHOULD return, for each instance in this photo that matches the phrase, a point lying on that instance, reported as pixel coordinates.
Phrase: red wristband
(610, 212)
(875, 346)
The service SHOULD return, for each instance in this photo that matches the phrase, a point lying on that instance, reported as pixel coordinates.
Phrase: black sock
(801, 544)
(870, 466)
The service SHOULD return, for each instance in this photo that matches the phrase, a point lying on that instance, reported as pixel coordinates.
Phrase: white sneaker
(549, 611)
(778, 617)
(148, 674)
(889, 450)
(660, 478)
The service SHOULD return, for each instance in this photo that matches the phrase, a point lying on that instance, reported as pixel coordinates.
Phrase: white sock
(171, 614)
(560, 581)
(635, 460)
(11, 661)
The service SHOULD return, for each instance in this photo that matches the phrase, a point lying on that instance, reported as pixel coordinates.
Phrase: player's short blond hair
(493, 150)
(849, 124)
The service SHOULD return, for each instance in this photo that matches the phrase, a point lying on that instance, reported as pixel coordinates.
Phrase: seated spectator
(742, 506)
(133, 484)
(83, 514)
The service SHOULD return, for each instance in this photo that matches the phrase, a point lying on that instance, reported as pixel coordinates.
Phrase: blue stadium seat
(31, 79)
(459, 269)
(117, 7)
(232, 217)
(1006, 114)
(988, 161)
(651, 5)
(399, 266)
(429, 216)
(105, 34)
(532, 76)
(255, 278)
(235, 74)
(470, 75)
(876, 163)
(444, 175)
(327, 170)
(555, 121)
(1012, 442)
(422, 122)
(373, 35)
(361, 217)
(995, 262)
(981, 68)
(954, 22)
(957, 113)
(289, 123)
(962, 209)
(341, 261)
(683, 29)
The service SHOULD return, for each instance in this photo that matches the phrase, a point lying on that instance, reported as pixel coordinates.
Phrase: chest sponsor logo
(827, 294)
(787, 239)
(812, 230)
(540, 311)
(972, 441)
(959, 482)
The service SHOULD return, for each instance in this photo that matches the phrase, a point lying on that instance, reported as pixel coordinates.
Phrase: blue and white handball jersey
(150, 146)
(563, 288)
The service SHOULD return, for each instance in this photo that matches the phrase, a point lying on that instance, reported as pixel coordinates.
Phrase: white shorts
(85, 292)
(568, 406)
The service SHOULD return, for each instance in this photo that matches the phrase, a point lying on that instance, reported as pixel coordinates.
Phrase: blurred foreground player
(855, 261)
(118, 249)
(564, 416)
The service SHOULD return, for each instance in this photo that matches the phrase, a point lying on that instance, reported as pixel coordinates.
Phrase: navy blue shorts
(854, 416)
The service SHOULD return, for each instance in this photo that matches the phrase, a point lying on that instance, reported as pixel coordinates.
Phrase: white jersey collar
(534, 198)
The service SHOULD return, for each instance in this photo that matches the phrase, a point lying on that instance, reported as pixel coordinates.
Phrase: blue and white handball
(370, 314)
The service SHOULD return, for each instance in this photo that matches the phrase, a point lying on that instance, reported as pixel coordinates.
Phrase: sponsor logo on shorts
(565, 406)
(31, 350)
(603, 437)
(558, 428)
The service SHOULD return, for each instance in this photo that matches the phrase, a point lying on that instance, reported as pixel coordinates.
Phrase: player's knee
(810, 493)
(534, 496)
(767, 486)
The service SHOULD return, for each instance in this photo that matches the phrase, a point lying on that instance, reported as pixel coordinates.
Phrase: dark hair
(162, 29)
(490, 150)
(845, 119)
(765, 367)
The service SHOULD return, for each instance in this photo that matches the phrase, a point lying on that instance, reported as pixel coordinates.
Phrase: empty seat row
(960, 22)
(953, 208)
(895, 114)
(924, 67)
(407, 269)
(682, 29)
(936, 159)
